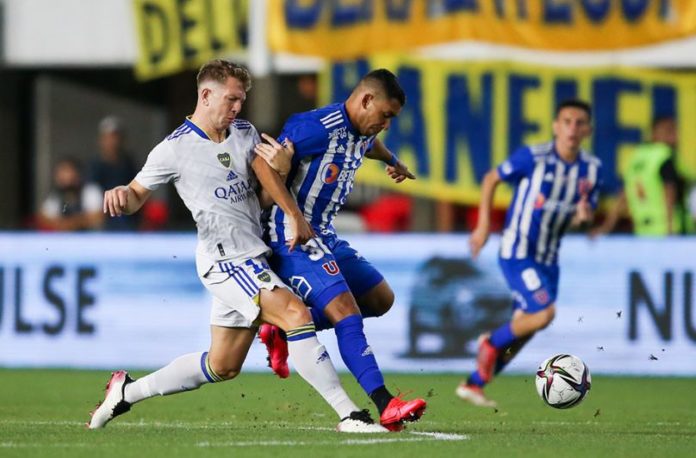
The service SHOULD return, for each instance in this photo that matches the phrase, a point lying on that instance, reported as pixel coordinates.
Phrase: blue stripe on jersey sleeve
(518, 165)
(307, 133)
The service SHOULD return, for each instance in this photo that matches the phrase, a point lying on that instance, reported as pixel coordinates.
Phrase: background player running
(556, 185)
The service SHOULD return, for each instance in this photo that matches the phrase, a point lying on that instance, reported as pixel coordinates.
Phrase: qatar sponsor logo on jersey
(235, 192)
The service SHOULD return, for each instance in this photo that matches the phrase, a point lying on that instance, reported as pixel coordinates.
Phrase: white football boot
(113, 404)
(360, 422)
(474, 394)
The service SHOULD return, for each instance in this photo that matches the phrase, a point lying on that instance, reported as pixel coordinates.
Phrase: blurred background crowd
(88, 88)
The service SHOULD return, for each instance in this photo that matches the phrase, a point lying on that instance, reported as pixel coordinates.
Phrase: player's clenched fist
(116, 200)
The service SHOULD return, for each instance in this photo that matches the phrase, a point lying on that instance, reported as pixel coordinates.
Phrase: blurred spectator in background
(654, 192)
(113, 167)
(72, 205)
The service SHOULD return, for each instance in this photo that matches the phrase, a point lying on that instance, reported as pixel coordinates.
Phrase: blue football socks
(357, 354)
(503, 337)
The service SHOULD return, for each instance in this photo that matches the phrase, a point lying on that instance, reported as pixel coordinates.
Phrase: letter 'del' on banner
(463, 118)
(174, 35)
(343, 29)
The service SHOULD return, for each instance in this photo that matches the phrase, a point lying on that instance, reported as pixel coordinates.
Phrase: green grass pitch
(42, 413)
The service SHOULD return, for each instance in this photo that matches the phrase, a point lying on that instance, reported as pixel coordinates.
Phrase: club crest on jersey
(584, 186)
(264, 276)
(329, 173)
(224, 159)
(539, 202)
(541, 296)
(331, 267)
(231, 176)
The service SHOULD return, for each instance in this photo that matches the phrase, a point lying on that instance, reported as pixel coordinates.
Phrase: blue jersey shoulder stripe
(179, 131)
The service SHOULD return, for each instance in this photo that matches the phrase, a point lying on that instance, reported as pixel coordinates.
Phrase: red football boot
(398, 411)
(487, 356)
(277, 349)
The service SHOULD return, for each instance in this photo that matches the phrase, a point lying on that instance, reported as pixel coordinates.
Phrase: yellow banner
(174, 35)
(463, 118)
(344, 29)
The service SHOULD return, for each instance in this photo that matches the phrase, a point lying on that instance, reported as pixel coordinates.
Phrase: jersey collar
(558, 156)
(201, 133)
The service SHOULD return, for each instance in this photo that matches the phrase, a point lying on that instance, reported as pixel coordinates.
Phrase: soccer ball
(562, 381)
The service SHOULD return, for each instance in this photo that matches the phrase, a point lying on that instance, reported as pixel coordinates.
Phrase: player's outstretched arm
(479, 236)
(612, 218)
(396, 169)
(583, 213)
(274, 185)
(125, 200)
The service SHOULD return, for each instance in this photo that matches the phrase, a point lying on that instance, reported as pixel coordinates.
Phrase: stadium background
(481, 78)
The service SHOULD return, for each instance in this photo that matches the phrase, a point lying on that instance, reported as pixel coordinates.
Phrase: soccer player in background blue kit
(556, 185)
(339, 285)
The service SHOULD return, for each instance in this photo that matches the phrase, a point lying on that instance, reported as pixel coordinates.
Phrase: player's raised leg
(498, 348)
(229, 347)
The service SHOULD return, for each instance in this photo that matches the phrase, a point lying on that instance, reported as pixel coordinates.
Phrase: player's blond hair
(219, 70)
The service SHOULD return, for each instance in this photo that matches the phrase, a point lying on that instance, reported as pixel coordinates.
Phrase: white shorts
(235, 288)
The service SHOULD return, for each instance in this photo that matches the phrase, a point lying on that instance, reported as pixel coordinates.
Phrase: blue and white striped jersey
(547, 190)
(328, 152)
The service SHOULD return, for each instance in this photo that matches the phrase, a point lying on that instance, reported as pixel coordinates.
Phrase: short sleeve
(92, 198)
(161, 167)
(254, 139)
(307, 135)
(51, 206)
(518, 165)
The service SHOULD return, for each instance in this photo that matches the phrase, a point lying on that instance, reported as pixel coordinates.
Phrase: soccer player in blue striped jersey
(339, 285)
(556, 186)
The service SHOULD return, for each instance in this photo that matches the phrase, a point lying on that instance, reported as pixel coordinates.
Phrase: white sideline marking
(420, 437)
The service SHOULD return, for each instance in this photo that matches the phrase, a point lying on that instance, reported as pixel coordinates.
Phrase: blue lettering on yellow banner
(462, 119)
(341, 29)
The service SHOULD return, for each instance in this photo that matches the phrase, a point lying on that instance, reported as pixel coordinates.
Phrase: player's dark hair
(575, 103)
(388, 82)
(659, 119)
(219, 70)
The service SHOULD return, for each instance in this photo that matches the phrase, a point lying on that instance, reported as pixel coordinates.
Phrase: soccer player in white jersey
(339, 285)
(556, 185)
(210, 159)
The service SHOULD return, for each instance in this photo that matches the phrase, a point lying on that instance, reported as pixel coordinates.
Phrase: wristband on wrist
(393, 160)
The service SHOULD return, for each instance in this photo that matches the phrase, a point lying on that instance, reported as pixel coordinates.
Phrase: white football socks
(312, 362)
(182, 374)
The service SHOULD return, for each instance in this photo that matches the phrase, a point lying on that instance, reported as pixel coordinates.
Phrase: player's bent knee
(546, 316)
(225, 370)
(379, 300)
(296, 314)
(341, 306)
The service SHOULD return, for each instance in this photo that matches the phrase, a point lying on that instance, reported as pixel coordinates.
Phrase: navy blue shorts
(322, 269)
(534, 286)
